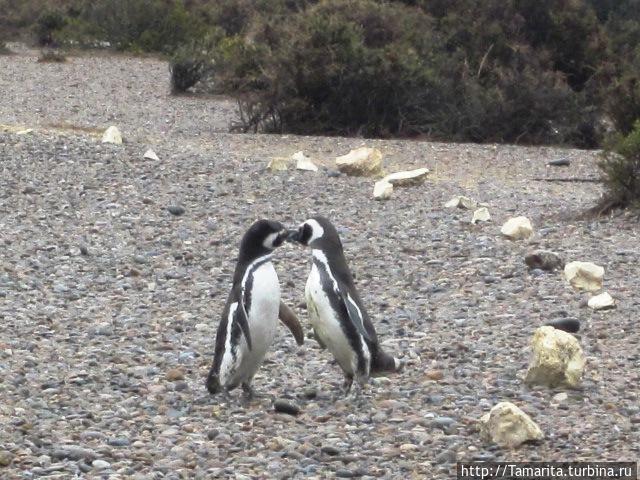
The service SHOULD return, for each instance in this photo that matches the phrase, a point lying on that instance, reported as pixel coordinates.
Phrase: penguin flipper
(290, 320)
(355, 314)
(240, 316)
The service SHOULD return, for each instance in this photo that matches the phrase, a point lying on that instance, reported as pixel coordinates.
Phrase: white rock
(25, 131)
(517, 228)
(560, 397)
(481, 215)
(100, 464)
(408, 177)
(382, 190)
(363, 161)
(150, 155)
(584, 276)
(303, 162)
(557, 359)
(508, 426)
(112, 135)
(604, 301)
(278, 164)
(461, 202)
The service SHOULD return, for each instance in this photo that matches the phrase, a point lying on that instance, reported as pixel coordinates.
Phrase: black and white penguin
(337, 314)
(250, 316)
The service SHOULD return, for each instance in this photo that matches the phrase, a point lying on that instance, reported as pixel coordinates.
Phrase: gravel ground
(109, 303)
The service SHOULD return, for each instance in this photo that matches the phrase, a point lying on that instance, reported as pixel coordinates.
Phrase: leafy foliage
(621, 167)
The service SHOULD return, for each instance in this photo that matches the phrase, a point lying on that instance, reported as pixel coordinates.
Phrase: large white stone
(481, 215)
(382, 190)
(461, 202)
(604, 301)
(112, 135)
(557, 359)
(508, 426)
(408, 177)
(517, 228)
(363, 162)
(150, 155)
(303, 162)
(584, 276)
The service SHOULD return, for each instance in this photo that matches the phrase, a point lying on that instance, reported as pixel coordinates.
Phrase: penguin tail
(213, 383)
(385, 363)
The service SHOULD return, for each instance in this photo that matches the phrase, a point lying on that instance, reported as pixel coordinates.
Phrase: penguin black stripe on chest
(330, 287)
(251, 311)
(337, 314)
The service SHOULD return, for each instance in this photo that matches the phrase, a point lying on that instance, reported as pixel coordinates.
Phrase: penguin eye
(307, 232)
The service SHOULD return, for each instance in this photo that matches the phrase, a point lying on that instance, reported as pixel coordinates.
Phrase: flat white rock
(150, 155)
(584, 276)
(481, 215)
(461, 202)
(604, 301)
(112, 135)
(408, 177)
(517, 228)
(303, 162)
(382, 190)
(363, 162)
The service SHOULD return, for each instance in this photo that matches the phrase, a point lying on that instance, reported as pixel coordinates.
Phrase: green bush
(378, 69)
(192, 62)
(142, 25)
(621, 168)
(49, 22)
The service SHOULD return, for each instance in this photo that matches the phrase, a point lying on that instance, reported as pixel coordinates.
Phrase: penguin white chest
(263, 312)
(326, 323)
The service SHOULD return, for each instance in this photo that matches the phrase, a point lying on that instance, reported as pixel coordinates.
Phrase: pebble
(100, 464)
(571, 325)
(289, 407)
(175, 374)
(176, 210)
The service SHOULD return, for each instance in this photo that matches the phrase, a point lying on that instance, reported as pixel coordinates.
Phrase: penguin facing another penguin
(335, 309)
(250, 316)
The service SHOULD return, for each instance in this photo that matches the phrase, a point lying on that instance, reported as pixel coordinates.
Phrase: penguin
(337, 314)
(251, 313)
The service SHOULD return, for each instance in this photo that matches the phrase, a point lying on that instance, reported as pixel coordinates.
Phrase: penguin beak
(293, 236)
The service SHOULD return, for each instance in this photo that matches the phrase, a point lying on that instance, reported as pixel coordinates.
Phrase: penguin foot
(247, 391)
(346, 386)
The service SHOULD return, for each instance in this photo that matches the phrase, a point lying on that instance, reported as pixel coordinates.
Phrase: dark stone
(176, 210)
(119, 442)
(282, 405)
(543, 260)
(330, 450)
(571, 325)
(560, 162)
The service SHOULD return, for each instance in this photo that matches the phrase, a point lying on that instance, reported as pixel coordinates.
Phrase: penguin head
(316, 232)
(263, 237)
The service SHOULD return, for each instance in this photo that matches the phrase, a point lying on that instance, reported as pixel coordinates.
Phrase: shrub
(144, 25)
(621, 168)
(377, 69)
(192, 63)
(49, 22)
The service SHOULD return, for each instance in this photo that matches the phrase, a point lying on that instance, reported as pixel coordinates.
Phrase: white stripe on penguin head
(268, 242)
(316, 230)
